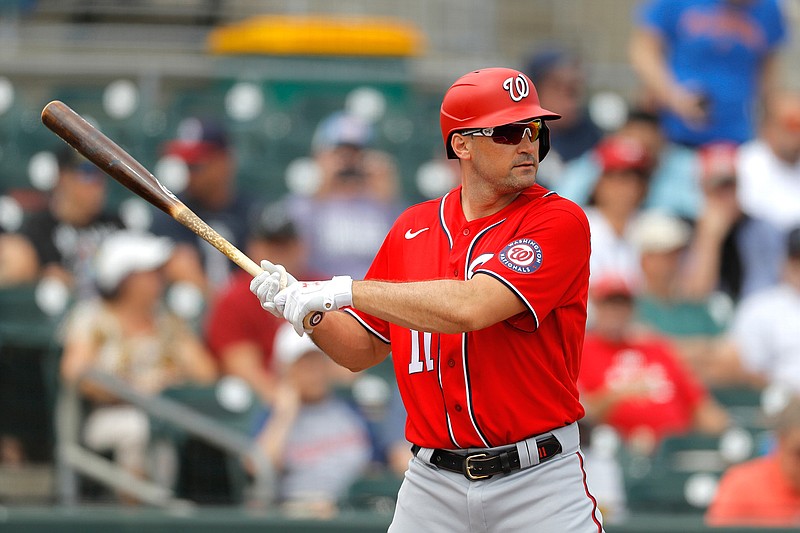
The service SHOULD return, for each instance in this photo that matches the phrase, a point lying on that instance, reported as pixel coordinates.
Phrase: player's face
(506, 166)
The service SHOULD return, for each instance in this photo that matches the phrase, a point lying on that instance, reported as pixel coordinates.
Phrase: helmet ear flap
(544, 140)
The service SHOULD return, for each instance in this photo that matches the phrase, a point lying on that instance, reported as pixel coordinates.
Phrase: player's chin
(525, 172)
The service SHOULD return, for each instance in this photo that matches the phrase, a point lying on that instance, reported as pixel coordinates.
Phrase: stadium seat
(679, 477)
(374, 491)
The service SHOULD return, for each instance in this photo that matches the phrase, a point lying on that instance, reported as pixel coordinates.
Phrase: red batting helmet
(492, 97)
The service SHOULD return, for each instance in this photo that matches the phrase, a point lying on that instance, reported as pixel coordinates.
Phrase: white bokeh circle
(51, 295)
(244, 101)
(136, 214)
(173, 173)
(11, 214)
(185, 300)
(234, 394)
(700, 489)
(367, 103)
(608, 110)
(303, 176)
(43, 170)
(736, 445)
(6, 94)
(121, 99)
(434, 178)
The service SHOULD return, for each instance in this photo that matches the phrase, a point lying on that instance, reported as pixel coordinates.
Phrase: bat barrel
(107, 155)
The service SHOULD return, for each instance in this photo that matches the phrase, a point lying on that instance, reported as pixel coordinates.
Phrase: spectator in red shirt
(634, 380)
(764, 491)
(239, 334)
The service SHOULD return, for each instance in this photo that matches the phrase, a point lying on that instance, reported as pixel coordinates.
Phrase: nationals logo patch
(523, 256)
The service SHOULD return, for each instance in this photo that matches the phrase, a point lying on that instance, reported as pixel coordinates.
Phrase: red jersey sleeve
(546, 262)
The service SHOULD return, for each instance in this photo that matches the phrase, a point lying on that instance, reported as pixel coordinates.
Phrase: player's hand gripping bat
(120, 165)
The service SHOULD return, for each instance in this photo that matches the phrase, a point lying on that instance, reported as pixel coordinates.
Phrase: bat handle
(311, 320)
(188, 218)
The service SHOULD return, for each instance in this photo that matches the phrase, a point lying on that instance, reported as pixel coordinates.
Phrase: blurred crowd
(694, 208)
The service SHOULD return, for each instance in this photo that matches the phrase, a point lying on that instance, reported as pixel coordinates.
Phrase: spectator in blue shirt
(706, 63)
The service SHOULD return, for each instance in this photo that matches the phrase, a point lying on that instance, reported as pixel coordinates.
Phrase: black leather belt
(483, 465)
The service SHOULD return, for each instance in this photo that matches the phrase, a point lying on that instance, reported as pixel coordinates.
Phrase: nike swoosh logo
(411, 234)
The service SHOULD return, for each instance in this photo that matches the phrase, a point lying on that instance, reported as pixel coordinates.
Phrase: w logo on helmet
(517, 88)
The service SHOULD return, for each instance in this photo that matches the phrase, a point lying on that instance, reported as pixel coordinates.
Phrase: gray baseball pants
(548, 497)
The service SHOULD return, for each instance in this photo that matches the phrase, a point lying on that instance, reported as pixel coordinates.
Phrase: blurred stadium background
(137, 67)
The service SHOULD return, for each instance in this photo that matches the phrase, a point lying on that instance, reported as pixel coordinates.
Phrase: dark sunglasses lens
(513, 133)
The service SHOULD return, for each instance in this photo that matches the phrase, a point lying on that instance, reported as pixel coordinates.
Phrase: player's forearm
(441, 306)
(347, 342)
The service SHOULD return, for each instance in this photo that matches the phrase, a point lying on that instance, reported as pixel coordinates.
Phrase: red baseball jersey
(674, 393)
(512, 380)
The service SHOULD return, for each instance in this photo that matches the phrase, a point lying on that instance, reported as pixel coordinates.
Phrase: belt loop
(425, 454)
(569, 437)
(526, 458)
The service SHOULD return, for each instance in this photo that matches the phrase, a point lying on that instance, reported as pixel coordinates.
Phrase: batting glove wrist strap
(300, 299)
(340, 293)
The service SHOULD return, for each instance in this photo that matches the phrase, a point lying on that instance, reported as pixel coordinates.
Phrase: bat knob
(313, 319)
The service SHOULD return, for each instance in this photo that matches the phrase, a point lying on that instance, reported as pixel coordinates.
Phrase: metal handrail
(73, 457)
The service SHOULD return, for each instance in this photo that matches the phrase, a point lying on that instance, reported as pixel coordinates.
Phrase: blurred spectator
(695, 325)
(18, 261)
(769, 166)
(126, 333)
(212, 193)
(605, 475)
(674, 184)
(732, 252)
(345, 220)
(67, 234)
(634, 380)
(764, 492)
(391, 435)
(707, 63)
(561, 83)
(239, 333)
(766, 328)
(319, 444)
(614, 205)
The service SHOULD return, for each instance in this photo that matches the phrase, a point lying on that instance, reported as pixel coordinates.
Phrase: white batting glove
(300, 299)
(269, 283)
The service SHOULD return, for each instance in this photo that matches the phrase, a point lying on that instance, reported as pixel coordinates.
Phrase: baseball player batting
(480, 296)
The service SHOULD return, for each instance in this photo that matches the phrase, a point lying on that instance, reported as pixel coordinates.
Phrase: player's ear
(461, 146)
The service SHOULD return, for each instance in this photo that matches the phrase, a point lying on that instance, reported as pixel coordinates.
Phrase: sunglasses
(509, 133)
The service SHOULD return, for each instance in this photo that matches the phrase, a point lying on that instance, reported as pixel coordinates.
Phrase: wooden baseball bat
(120, 165)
